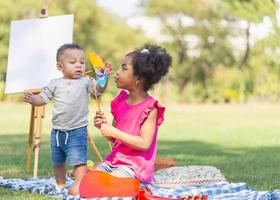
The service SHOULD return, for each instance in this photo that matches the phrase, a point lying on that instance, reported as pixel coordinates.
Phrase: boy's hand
(28, 96)
(99, 119)
(108, 68)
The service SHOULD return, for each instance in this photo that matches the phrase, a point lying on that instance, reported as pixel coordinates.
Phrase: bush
(229, 85)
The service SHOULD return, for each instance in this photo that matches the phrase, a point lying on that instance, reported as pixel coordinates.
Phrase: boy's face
(72, 64)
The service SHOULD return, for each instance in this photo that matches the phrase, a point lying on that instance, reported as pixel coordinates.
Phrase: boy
(70, 112)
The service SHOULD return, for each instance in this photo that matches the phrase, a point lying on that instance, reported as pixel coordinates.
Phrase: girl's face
(72, 64)
(124, 76)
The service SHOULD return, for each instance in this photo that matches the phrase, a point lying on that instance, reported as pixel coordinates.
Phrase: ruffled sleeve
(148, 109)
(116, 101)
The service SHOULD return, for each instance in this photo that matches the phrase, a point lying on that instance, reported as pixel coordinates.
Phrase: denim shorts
(69, 145)
(121, 169)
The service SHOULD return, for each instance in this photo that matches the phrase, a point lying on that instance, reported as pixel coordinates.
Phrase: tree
(94, 29)
(264, 68)
(201, 32)
(195, 60)
(250, 11)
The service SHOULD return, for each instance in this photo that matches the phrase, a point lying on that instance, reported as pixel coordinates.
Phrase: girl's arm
(142, 142)
(111, 139)
(99, 119)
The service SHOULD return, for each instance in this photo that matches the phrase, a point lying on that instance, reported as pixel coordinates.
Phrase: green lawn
(243, 141)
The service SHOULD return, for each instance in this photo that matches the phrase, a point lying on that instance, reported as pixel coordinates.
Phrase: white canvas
(32, 51)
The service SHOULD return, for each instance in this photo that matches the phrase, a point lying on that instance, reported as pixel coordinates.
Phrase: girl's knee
(74, 189)
(79, 171)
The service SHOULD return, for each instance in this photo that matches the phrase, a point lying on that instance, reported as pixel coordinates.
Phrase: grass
(241, 140)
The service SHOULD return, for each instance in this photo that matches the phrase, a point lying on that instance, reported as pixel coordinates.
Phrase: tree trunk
(183, 83)
(247, 51)
(207, 72)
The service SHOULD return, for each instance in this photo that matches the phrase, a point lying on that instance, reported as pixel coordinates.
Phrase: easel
(35, 125)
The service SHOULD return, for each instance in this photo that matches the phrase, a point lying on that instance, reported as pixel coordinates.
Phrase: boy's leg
(58, 158)
(76, 153)
(60, 175)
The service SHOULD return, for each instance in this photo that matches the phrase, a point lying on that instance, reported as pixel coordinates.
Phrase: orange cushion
(101, 184)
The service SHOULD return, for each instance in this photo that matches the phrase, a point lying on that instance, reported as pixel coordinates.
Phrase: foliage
(94, 29)
(201, 42)
(216, 55)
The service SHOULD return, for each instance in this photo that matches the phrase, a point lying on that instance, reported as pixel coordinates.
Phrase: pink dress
(129, 118)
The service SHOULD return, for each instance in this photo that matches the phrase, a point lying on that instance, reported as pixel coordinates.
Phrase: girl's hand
(108, 68)
(99, 119)
(28, 97)
(107, 130)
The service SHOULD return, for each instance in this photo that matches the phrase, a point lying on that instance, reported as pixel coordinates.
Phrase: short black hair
(65, 47)
(150, 64)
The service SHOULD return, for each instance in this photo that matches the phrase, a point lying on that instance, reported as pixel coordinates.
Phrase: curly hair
(65, 47)
(150, 64)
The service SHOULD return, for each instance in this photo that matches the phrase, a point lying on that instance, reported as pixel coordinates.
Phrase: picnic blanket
(218, 191)
(173, 182)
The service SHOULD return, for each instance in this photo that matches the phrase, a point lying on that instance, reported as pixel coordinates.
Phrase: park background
(222, 93)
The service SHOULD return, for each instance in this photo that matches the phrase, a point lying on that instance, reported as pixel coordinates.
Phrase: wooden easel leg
(110, 145)
(36, 148)
(39, 114)
(94, 148)
(30, 139)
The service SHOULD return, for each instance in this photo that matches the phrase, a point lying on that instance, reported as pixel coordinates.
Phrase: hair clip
(159, 53)
(145, 51)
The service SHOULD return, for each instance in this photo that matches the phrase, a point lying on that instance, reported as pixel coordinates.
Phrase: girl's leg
(104, 167)
(120, 171)
(79, 171)
(123, 172)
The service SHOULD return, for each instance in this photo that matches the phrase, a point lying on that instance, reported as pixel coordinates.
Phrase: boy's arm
(101, 89)
(34, 100)
(108, 69)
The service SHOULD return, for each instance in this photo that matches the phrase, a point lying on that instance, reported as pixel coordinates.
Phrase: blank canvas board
(32, 51)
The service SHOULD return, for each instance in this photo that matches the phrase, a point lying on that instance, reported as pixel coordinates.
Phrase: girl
(137, 115)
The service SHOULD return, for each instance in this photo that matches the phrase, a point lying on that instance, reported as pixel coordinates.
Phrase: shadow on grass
(13, 155)
(259, 167)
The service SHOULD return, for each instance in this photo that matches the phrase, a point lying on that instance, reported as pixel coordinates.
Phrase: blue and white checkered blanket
(219, 191)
